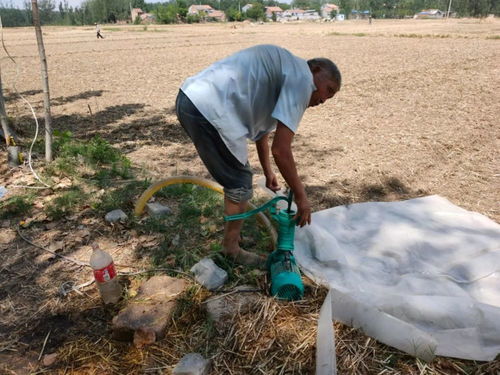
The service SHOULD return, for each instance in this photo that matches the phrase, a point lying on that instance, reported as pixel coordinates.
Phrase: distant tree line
(110, 11)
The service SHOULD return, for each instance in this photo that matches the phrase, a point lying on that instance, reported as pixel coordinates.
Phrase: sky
(20, 3)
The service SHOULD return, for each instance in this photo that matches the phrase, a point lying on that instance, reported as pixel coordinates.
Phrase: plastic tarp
(420, 275)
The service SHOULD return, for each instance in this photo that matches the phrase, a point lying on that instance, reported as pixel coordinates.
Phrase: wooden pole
(45, 81)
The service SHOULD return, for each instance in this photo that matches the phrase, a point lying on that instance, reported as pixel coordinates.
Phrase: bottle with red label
(105, 275)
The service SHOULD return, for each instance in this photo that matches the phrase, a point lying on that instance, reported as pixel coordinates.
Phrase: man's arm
(282, 153)
(263, 151)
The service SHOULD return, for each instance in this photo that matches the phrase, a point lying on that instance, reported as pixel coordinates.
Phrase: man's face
(325, 87)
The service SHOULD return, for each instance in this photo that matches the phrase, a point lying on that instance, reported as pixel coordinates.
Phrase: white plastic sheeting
(326, 358)
(420, 275)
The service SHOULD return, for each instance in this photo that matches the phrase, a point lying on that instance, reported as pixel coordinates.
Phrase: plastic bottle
(105, 275)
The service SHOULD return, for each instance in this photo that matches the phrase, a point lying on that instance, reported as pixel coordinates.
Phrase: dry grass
(417, 115)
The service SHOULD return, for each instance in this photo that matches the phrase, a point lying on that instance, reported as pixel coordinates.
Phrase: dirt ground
(417, 115)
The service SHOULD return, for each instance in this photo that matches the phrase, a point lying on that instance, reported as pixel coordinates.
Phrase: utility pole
(449, 8)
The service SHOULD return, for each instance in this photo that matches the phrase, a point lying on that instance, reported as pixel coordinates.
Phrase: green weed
(15, 206)
(75, 157)
(494, 37)
(194, 230)
(66, 203)
(123, 197)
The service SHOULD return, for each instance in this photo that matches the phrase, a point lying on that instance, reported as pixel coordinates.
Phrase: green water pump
(281, 265)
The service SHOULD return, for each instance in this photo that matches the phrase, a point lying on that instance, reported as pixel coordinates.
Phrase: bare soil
(417, 115)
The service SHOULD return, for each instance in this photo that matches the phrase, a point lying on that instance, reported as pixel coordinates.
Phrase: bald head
(328, 66)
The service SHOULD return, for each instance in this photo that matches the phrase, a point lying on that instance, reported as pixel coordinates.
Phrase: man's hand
(303, 215)
(272, 182)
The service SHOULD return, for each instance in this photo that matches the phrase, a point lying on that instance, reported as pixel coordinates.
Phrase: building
(277, 11)
(200, 10)
(144, 17)
(310, 15)
(216, 15)
(328, 9)
(360, 14)
(135, 12)
(430, 14)
(246, 7)
(292, 14)
(206, 12)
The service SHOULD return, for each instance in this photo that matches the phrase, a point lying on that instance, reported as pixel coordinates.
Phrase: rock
(149, 312)
(115, 215)
(192, 364)
(51, 225)
(222, 309)
(158, 210)
(49, 359)
(143, 337)
(7, 236)
(56, 246)
(208, 274)
(176, 240)
(3, 191)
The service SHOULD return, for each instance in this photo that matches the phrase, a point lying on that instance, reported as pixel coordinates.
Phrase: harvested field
(417, 115)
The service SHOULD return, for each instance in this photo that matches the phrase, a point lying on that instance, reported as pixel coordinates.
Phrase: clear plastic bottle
(105, 275)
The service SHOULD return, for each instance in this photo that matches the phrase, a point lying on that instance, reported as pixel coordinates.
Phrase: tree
(3, 116)
(167, 14)
(256, 12)
(345, 7)
(45, 81)
(46, 11)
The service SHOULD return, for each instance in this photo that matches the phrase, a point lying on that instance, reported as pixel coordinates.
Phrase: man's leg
(232, 231)
(226, 170)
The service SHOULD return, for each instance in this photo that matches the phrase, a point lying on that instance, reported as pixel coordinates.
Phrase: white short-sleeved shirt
(245, 94)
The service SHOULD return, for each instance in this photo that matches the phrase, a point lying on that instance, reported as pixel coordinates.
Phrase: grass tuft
(15, 206)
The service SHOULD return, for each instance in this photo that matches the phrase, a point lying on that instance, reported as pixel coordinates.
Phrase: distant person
(247, 96)
(98, 31)
(370, 19)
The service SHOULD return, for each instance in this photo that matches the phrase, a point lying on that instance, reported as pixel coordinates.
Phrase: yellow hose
(146, 196)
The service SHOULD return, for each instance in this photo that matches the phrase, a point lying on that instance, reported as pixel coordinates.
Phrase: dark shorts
(235, 177)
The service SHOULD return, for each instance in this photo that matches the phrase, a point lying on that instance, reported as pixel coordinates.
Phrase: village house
(328, 9)
(246, 7)
(277, 11)
(143, 16)
(310, 15)
(216, 15)
(206, 12)
(430, 14)
(292, 14)
(200, 10)
(360, 14)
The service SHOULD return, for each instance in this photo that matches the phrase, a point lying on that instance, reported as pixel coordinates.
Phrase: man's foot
(246, 258)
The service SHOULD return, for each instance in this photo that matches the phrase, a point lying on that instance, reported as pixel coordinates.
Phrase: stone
(149, 312)
(115, 215)
(192, 364)
(222, 309)
(7, 236)
(208, 274)
(157, 209)
(49, 359)
(143, 337)
(3, 191)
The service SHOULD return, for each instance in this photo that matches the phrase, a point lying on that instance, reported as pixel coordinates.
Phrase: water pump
(281, 265)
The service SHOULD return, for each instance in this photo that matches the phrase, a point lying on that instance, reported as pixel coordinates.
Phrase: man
(246, 96)
(98, 31)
